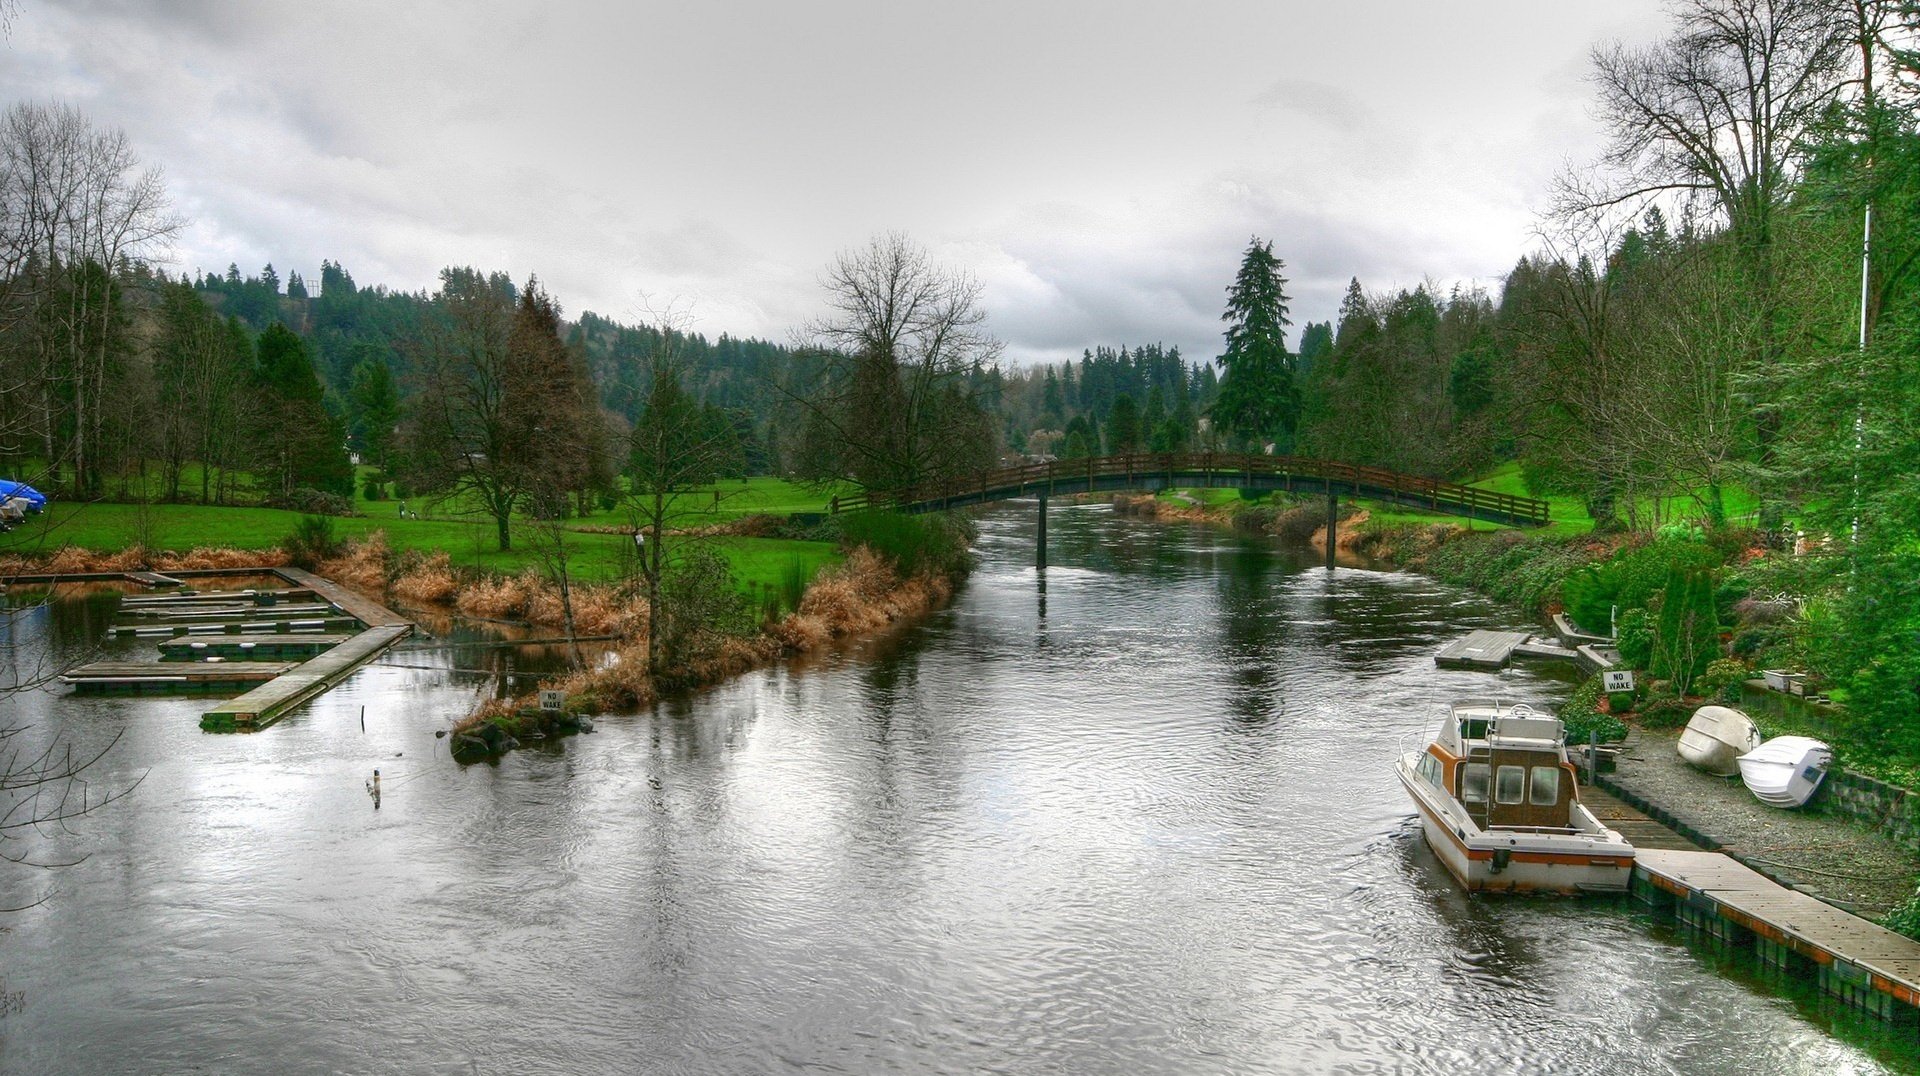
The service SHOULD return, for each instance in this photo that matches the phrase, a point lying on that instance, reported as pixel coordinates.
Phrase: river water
(1142, 821)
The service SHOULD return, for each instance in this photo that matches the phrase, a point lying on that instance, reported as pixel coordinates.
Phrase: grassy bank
(469, 541)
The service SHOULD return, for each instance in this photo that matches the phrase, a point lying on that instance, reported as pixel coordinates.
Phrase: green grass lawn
(1566, 514)
(468, 542)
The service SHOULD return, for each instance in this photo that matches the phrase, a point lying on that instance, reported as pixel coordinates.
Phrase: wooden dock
(1635, 825)
(1861, 962)
(269, 702)
(1480, 650)
(247, 611)
(260, 646)
(235, 627)
(160, 677)
(196, 598)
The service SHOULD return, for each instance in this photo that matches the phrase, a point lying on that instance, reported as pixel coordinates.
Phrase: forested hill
(348, 325)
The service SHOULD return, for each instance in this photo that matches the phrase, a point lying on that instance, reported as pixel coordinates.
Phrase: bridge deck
(1209, 470)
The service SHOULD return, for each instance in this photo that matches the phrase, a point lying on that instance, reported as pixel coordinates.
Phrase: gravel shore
(1833, 858)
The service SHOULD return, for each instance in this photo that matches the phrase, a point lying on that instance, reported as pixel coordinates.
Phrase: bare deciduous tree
(903, 349)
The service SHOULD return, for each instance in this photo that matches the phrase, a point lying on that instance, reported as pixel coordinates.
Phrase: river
(1142, 821)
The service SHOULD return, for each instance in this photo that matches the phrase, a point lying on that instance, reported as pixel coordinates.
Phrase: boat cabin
(1506, 765)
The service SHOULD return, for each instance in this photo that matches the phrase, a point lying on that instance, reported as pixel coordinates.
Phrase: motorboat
(1787, 770)
(1715, 739)
(1500, 807)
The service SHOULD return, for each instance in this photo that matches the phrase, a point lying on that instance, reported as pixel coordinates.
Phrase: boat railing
(1533, 829)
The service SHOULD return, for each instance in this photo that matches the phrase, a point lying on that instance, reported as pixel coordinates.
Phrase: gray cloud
(1100, 174)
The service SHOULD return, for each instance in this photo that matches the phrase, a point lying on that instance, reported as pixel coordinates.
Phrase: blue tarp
(10, 489)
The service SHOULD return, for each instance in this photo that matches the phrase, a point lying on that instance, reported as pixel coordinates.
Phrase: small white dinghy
(1716, 738)
(1786, 770)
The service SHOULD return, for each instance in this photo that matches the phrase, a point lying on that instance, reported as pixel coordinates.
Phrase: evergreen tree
(1123, 426)
(304, 445)
(1258, 397)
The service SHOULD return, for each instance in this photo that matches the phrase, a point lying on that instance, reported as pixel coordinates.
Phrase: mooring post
(1040, 545)
(1333, 518)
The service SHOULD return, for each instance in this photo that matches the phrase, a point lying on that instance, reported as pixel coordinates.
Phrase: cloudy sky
(1098, 165)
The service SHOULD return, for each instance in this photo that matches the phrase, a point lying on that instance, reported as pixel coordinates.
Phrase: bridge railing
(1170, 467)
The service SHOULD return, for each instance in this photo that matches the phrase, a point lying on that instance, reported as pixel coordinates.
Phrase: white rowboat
(1786, 770)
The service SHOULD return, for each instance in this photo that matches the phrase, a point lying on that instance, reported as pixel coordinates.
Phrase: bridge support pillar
(1040, 543)
(1333, 522)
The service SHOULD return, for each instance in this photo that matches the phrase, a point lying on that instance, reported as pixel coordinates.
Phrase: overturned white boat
(1716, 738)
(1786, 770)
(1499, 806)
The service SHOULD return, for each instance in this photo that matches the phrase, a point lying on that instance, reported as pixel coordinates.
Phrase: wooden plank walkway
(103, 677)
(247, 611)
(1856, 958)
(260, 646)
(349, 601)
(236, 627)
(1480, 650)
(1632, 823)
(196, 598)
(268, 703)
(154, 579)
(1534, 650)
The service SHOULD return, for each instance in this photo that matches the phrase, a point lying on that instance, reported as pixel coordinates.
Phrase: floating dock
(247, 611)
(1481, 650)
(1736, 908)
(1491, 650)
(198, 598)
(269, 702)
(161, 677)
(235, 627)
(258, 647)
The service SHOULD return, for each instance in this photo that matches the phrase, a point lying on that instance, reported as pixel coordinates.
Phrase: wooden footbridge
(1208, 470)
(1153, 472)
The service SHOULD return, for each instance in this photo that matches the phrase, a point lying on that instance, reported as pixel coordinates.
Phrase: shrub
(1664, 712)
(1630, 578)
(1906, 918)
(374, 486)
(929, 544)
(315, 502)
(1721, 674)
(1581, 716)
(1635, 638)
(311, 542)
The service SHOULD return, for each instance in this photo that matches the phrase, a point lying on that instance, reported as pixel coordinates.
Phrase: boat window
(1545, 790)
(1511, 785)
(1430, 770)
(1473, 782)
(1473, 728)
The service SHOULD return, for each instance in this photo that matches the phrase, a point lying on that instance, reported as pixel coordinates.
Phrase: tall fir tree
(1259, 399)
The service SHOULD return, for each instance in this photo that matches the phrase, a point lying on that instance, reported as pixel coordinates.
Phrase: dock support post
(1040, 545)
(1333, 519)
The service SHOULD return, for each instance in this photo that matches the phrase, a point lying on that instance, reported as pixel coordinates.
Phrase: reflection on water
(1136, 817)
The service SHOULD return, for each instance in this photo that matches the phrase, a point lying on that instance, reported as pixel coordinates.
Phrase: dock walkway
(1861, 962)
(146, 677)
(1480, 650)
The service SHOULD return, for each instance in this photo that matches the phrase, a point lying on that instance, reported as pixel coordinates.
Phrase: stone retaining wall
(1894, 810)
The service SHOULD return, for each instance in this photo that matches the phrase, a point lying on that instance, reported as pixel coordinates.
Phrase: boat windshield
(1473, 782)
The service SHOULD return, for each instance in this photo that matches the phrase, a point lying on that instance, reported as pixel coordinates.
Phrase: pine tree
(1258, 397)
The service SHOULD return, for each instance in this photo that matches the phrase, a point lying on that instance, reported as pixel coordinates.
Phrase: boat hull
(1786, 771)
(1715, 739)
(1519, 863)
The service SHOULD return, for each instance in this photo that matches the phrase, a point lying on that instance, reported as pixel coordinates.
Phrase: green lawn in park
(468, 540)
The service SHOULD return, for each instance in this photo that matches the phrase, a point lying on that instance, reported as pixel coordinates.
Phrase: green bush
(1664, 712)
(312, 541)
(934, 544)
(1721, 674)
(1635, 639)
(1581, 716)
(1630, 578)
(374, 486)
(1906, 918)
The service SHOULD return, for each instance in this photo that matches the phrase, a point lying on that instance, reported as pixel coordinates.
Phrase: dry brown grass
(361, 565)
(494, 598)
(205, 558)
(427, 581)
(859, 597)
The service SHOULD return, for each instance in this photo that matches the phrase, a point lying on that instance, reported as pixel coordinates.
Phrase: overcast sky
(1099, 166)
